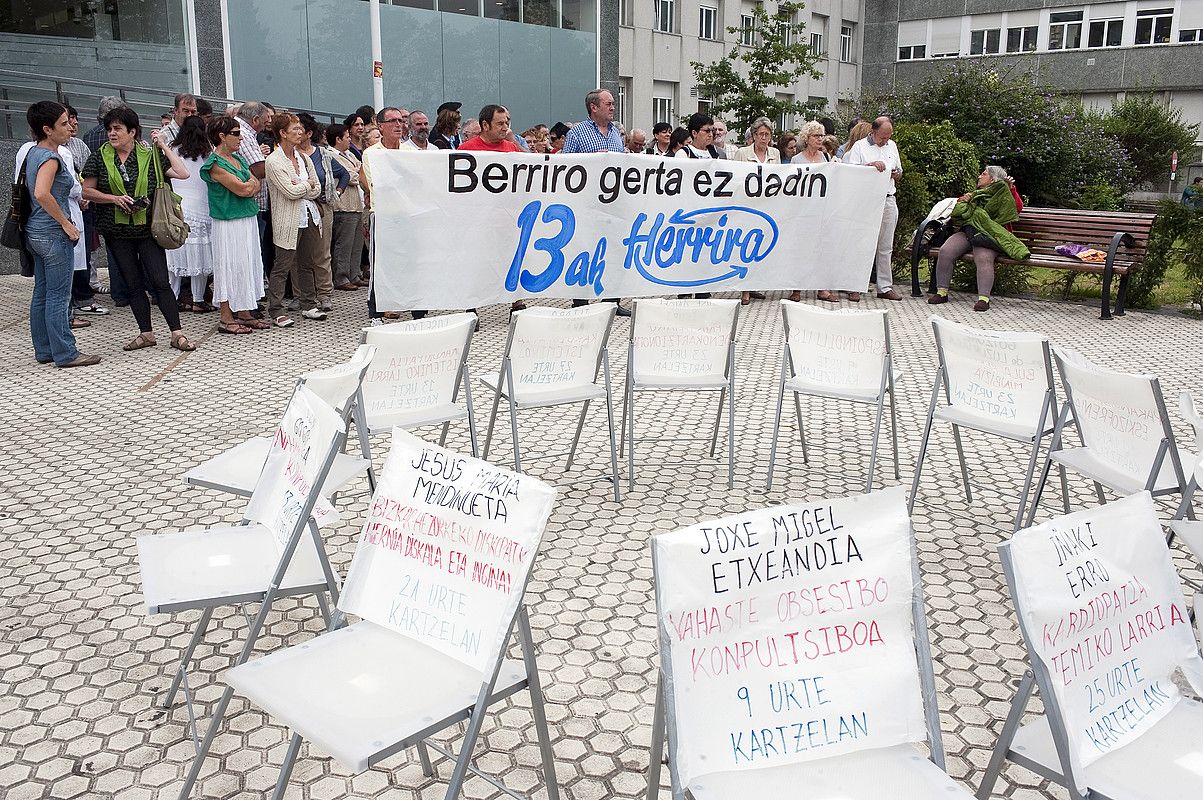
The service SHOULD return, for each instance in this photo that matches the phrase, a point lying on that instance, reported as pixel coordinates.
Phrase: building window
(783, 122)
(1153, 25)
(747, 30)
(912, 53)
(1195, 35)
(621, 102)
(984, 41)
(665, 11)
(816, 43)
(662, 110)
(1021, 40)
(1065, 30)
(1106, 33)
(818, 34)
(704, 106)
(624, 12)
(707, 22)
(846, 44)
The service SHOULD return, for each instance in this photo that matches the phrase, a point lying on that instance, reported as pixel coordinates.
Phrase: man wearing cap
(445, 135)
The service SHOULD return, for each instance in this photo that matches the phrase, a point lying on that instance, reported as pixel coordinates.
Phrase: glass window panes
(665, 10)
(1065, 30)
(148, 21)
(747, 30)
(509, 10)
(1021, 40)
(1106, 33)
(707, 22)
(912, 52)
(469, 8)
(1195, 35)
(662, 110)
(846, 44)
(985, 41)
(426, 4)
(1153, 25)
(578, 15)
(816, 43)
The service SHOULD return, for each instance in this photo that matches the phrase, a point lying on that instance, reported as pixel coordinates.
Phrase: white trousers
(885, 246)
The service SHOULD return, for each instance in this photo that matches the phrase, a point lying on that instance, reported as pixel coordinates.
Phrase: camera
(141, 202)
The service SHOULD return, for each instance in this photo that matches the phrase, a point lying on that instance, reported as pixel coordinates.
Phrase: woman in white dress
(194, 260)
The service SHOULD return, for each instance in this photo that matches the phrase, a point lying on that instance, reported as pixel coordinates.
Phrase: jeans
(143, 264)
(53, 263)
(267, 250)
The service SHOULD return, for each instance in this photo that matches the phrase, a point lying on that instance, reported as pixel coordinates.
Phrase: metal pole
(377, 58)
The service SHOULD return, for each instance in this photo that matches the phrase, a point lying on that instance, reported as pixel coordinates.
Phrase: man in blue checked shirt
(596, 134)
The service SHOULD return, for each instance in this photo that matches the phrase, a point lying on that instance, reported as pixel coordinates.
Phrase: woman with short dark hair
(50, 237)
(679, 140)
(120, 179)
(347, 241)
(357, 126)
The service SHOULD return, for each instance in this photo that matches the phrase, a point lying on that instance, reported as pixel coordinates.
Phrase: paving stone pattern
(93, 457)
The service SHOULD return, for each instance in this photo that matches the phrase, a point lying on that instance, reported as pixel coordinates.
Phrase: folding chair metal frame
(463, 381)
(1167, 445)
(886, 387)
(726, 393)
(505, 388)
(664, 722)
(269, 596)
(1047, 411)
(1179, 524)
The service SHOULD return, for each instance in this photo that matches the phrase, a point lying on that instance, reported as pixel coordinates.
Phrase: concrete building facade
(658, 39)
(1096, 49)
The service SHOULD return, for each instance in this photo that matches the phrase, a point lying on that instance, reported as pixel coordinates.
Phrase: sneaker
(937, 299)
(314, 313)
(81, 361)
(981, 305)
(91, 308)
(376, 322)
(325, 306)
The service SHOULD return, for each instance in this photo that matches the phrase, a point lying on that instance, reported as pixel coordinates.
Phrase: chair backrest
(554, 349)
(339, 385)
(446, 550)
(1102, 613)
(308, 438)
(1186, 407)
(845, 350)
(750, 642)
(417, 365)
(679, 341)
(1121, 416)
(1000, 376)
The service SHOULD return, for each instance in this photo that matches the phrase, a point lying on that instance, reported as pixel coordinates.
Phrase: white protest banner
(446, 550)
(461, 229)
(786, 634)
(1100, 605)
(1001, 375)
(298, 448)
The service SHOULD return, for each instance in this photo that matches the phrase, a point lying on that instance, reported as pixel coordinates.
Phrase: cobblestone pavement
(93, 457)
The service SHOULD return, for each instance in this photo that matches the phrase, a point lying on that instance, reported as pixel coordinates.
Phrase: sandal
(795, 296)
(826, 296)
(140, 341)
(253, 324)
(283, 321)
(745, 298)
(180, 342)
(853, 297)
(203, 308)
(232, 327)
(184, 305)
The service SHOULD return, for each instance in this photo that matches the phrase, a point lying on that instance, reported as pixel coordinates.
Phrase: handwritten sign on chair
(787, 634)
(1101, 609)
(997, 374)
(446, 550)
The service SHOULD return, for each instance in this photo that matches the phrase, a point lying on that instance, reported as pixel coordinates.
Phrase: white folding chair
(253, 561)
(439, 589)
(416, 376)
(553, 357)
(682, 346)
(1115, 726)
(236, 470)
(995, 382)
(756, 700)
(1125, 431)
(841, 355)
(1184, 525)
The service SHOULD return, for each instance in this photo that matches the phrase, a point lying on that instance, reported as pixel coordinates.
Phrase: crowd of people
(278, 205)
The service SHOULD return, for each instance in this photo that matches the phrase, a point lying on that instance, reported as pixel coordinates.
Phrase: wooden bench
(1123, 236)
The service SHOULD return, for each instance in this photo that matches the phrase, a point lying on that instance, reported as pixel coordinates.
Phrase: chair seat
(434, 415)
(539, 398)
(1174, 745)
(864, 775)
(1191, 534)
(364, 692)
(703, 383)
(978, 422)
(1083, 460)
(237, 469)
(220, 566)
(803, 386)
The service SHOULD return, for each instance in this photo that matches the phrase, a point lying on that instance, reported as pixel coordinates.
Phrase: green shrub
(1150, 131)
(1176, 238)
(1099, 197)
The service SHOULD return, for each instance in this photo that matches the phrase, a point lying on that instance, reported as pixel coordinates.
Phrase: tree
(1150, 131)
(778, 58)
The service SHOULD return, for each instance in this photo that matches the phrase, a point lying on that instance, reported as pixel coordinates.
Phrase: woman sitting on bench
(984, 217)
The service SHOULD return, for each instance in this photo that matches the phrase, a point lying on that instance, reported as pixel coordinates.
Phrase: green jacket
(988, 210)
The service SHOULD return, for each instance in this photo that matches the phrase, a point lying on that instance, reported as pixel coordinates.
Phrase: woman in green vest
(237, 263)
(119, 180)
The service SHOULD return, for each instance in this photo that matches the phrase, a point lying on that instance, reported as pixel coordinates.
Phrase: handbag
(167, 224)
(13, 233)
